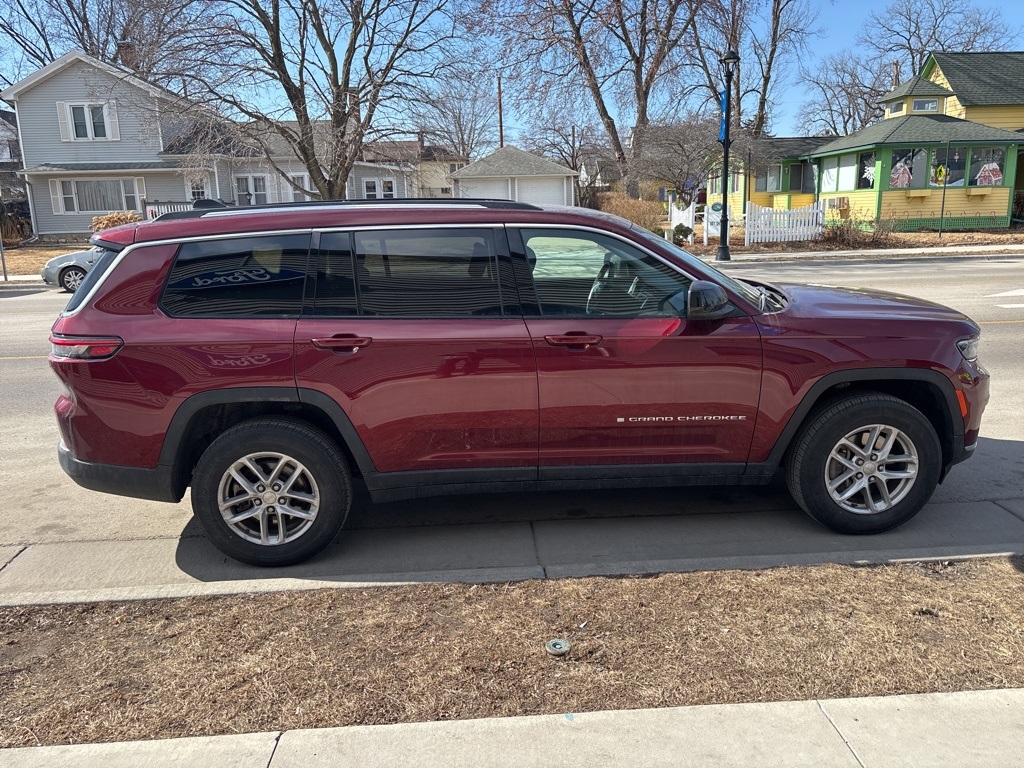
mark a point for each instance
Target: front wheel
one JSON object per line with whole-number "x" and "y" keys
{"x": 271, "y": 492}
{"x": 864, "y": 464}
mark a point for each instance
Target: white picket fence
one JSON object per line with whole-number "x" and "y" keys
{"x": 767, "y": 225}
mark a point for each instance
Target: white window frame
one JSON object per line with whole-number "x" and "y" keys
{"x": 778, "y": 178}
{"x": 250, "y": 187}
{"x": 897, "y": 108}
{"x": 60, "y": 199}
{"x": 379, "y": 193}
{"x": 914, "y": 105}
{"x": 89, "y": 125}
{"x": 302, "y": 179}
{"x": 189, "y": 192}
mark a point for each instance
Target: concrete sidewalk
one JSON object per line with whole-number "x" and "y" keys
{"x": 973, "y": 728}
{"x": 772, "y": 535}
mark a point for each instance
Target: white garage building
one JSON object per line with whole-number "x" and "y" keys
{"x": 512, "y": 174}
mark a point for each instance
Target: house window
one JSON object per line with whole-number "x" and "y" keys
{"x": 302, "y": 180}
{"x": 14, "y": 149}
{"x": 376, "y": 189}
{"x": 775, "y": 177}
{"x": 453, "y": 167}
{"x": 99, "y": 195}
{"x": 251, "y": 190}
{"x": 197, "y": 190}
{"x": 801, "y": 178}
{"x": 829, "y": 174}
{"x": 926, "y": 105}
{"x": 949, "y": 167}
{"x": 847, "y": 173}
{"x": 909, "y": 169}
{"x": 987, "y": 166}
{"x": 896, "y": 108}
{"x": 88, "y": 122}
{"x": 866, "y": 170}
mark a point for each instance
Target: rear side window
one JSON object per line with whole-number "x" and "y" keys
{"x": 92, "y": 277}
{"x": 409, "y": 273}
{"x": 248, "y": 276}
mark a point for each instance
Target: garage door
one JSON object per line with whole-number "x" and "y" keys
{"x": 489, "y": 188}
{"x": 542, "y": 191}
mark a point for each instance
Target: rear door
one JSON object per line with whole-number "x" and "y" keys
{"x": 417, "y": 333}
{"x": 624, "y": 377}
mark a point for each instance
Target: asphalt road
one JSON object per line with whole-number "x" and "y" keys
{"x": 50, "y": 523}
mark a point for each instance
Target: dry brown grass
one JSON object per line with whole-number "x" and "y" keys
{"x": 28, "y": 261}
{"x": 155, "y": 669}
{"x": 644, "y": 213}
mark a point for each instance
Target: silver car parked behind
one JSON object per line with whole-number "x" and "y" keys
{"x": 69, "y": 270}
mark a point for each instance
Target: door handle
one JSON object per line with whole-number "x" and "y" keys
{"x": 574, "y": 340}
{"x": 342, "y": 342}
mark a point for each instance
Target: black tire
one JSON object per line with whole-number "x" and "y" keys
{"x": 808, "y": 461}
{"x": 324, "y": 466}
{"x": 70, "y": 278}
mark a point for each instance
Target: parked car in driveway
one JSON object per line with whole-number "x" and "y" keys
{"x": 69, "y": 270}
{"x": 271, "y": 357}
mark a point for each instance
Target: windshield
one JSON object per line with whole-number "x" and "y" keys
{"x": 745, "y": 290}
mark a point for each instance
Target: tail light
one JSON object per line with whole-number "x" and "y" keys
{"x": 84, "y": 347}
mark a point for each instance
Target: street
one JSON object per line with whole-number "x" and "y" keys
{"x": 61, "y": 542}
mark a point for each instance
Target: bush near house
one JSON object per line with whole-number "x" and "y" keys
{"x": 858, "y": 233}
{"x": 643, "y": 213}
{"x": 114, "y": 219}
{"x": 681, "y": 234}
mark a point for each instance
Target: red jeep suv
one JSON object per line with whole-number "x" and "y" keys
{"x": 268, "y": 357}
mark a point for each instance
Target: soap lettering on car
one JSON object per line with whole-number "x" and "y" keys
{"x": 274, "y": 358}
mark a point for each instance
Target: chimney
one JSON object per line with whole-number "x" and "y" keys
{"x": 895, "y": 73}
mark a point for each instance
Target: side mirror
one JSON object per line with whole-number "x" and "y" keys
{"x": 708, "y": 301}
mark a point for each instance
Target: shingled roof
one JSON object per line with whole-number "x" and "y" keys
{"x": 916, "y": 86}
{"x": 977, "y": 79}
{"x": 780, "y": 147}
{"x": 512, "y": 161}
{"x": 917, "y": 130}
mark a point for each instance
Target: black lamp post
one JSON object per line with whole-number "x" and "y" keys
{"x": 729, "y": 62}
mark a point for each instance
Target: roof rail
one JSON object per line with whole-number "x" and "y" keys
{"x": 414, "y": 202}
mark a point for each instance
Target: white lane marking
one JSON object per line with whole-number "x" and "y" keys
{"x": 1010, "y": 306}
{"x": 1018, "y": 292}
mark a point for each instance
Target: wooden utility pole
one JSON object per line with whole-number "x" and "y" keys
{"x": 501, "y": 124}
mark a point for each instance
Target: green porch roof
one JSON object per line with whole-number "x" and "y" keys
{"x": 919, "y": 129}
{"x": 983, "y": 78}
{"x": 915, "y": 86}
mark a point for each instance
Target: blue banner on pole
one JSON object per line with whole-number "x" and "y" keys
{"x": 721, "y": 130}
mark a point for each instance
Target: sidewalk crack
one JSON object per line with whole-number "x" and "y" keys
{"x": 998, "y": 503}
{"x": 277, "y": 740}
{"x": 849, "y": 746}
{"x": 13, "y": 558}
{"x": 536, "y": 551}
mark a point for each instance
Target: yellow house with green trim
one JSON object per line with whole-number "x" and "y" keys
{"x": 945, "y": 149}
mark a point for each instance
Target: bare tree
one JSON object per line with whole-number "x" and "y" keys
{"x": 622, "y": 53}
{"x": 908, "y": 30}
{"x": 770, "y": 36}
{"x": 142, "y": 35}
{"x": 459, "y": 111}
{"x": 305, "y": 80}
{"x": 843, "y": 93}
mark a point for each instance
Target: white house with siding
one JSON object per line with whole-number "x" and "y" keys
{"x": 94, "y": 138}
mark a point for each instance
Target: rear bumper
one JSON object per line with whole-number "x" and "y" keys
{"x": 137, "y": 482}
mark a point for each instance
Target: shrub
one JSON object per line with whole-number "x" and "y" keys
{"x": 114, "y": 219}
{"x": 681, "y": 234}
{"x": 858, "y": 233}
{"x": 644, "y": 213}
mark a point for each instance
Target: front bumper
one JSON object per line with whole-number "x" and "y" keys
{"x": 157, "y": 484}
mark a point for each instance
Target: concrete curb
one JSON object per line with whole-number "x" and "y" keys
{"x": 960, "y": 728}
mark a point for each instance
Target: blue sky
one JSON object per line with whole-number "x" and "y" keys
{"x": 841, "y": 23}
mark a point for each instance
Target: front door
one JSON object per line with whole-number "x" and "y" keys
{"x": 416, "y": 332}
{"x": 624, "y": 376}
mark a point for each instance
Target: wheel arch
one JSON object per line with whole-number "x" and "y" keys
{"x": 931, "y": 392}
{"x": 203, "y": 416}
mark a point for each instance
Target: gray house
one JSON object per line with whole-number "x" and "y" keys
{"x": 514, "y": 174}
{"x": 94, "y": 138}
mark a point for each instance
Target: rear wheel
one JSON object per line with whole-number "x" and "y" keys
{"x": 71, "y": 278}
{"x": 864, "y": 464}
{"x": 271, "y": 492}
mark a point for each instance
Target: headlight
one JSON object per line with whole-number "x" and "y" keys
{"x": 969, "y": 348}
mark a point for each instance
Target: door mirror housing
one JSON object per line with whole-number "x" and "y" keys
{"x": 708, "y": 301}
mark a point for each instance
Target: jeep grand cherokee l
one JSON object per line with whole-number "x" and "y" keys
{"x": 271, "y": 357}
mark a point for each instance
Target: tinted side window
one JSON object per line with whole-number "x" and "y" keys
{"x": 581, "y": 273}
{"x": 335, "y": 281}
{"x": 238, "y": 277}
{"x": 427, "y": 273}
{"x": 104, "y": 259}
